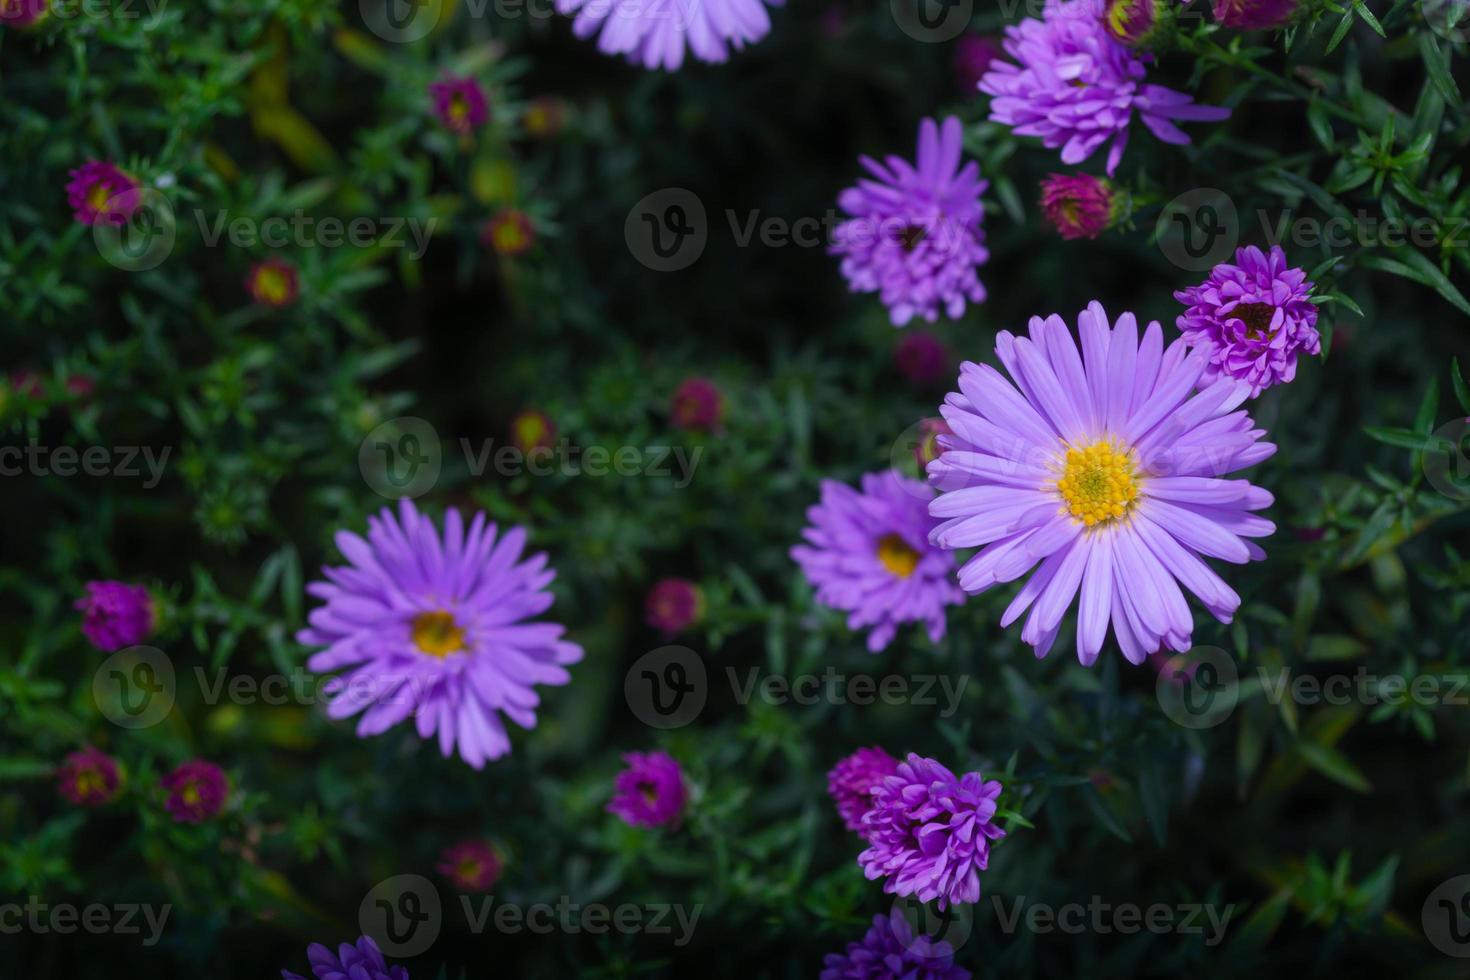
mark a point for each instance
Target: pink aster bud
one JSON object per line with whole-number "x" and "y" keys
{"x": 1137, "y": 23}
{"x": 471, "y": 865}
{"x": 1081, "y": 205}
{"x": 698, "y": 405}
{"x": 100, "y": 192}
{"x": 927, "y": 449}
{"x": 460, "y": 104}
{"x": 509, "y": 233}
{"x": 921, "y": 358}
{"x": 89, "y": 778}
{"x": 197, "y": 790}
{"x": 673, "y": 605}
{"x": 274, "y": 283}
{"x": 650, "y": 792}
{"x": 116, "y": 615}
{"x": 1254, "y": 15}
{"x": 973, "y": 54}
{"x": 532, "y": 429}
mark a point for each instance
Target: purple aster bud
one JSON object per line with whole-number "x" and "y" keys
{"x": 363, "y": 961}
{"x": 471, "y": 865}
{"x": 509, "y": 233}
{"x": 88, "y": 778}
{"x": 1080, "y": 205}
{"x": 650, "y": 792}
{"x": 1137, "y": 23}
{"x": 1254, "y": 15}
{"x": 22, "y": 13}
{"x": 274, "y": 283}
{"x": 197, "y": 790}
{"x": 116, "y": 615}
{"x": 673, "y": 605}
{"x": 890, "y": 950}
{"x": 698, "y": 405}
{"x": 460, "y": 104}
{"x": 973, "y": 54}
{"x": 99, "y": 191}
{"x": 532, "y": 429}
{"x": 852, "y": 781}
{"x": 927, "y": 449}
{"x": 544, "y": 117}
{"x": 922, "y": 358}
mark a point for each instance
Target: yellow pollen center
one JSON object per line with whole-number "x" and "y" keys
{"x": 98, "y": 197}
{"x": 272, "y": 286}
{"x": 89, "y": 781}
{"x": 191, "y": 794}
{"x": 896, "y": 556}
{"x": 1098, "y": 483}
{"x": 437, "y": 634}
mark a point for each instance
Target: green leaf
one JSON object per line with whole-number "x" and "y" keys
{"x": 1403, "y": 438}
{"x": 1334, "y": 765}
{"x": 1462, "y": 390}
{"x": 1437, "y": 63}
{"x": 1417, "y": 267}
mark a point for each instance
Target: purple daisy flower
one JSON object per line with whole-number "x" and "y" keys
{"x": 654, "y": 33}
{"x": 99, "y": 191}
{"x": 852, "y": 781}
{"x": 197, "y": 790}
{"x": 650, "y": 792}
{"x": 88, "y": 777}
{"x": 891, "y": 951}
{"x": 1106, "y": 468}
{"x": 460, "y": 104}
{"x": 115, "y": 615}
{"x": 1253, "y": 318}
{"x": 1077, "y": 87}
{"x": 868, "y": 554}
{"x": 361, "y": 962}
{"x": 929, "y": 832}
{"x": 914, "y": 236}
{"x": 432, "y": 625}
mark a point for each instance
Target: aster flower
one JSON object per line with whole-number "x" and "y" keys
{"x": 1253, "y": 318}
{"x": 509, "y": 233}
{"x": 472, "y": 865}
{"x": 435, "y": 626}
{"x": 22, "y": 13}
{"x": 1080, "y": 205}
{"x": 891, "y": 951}
{"x": 115, "y": 615}
{"x": 88, "y": 777}
{"x": 973, "y": 54}
{"x": 1137, "y": 23}
{"x": 460, "y": 104}
{"x": 698, "y": 404}
{"x": 650, "y": 792}
{"x": 363, "y": 961}
{"x": 532, "y": 429}
{"x": 914, "y": 236}
{"x": 654, "y": 33}
{"x": 929, "y": 832}
{"x": 673, "y": 605}
{"x": 197, "y": 790}
{"x": 1254, "y": 15}
{"x": 1076, "y": 87}
{"x": 1106, "y": 468}
{"x": 868, "y": 554}
{"x": 852, "y": 781}
{"x": 99, "y": 191}
{"x": 273, "y": 282}
{"x": 921, "y": 357}
{"x": 927, "y": 449}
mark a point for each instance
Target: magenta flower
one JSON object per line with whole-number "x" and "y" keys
{"x": 1135, "y": 22}
{"x": 973, "y": 54}
{"x": 1252, "y": 318}
{"x": 1079, "y": 205}
{"x": 197, "y": 790}
{"x": 436, "y": 626}
{"x": 655, "y": 33}
{"x": 929, "y": 832}
{"x": 868, "y": 554}
{"x": 891, "y": 951}
{"x": 914, "y": 236}
{"x": 673, "y": 605}
{"x": 460, "y": 104}
{"x": 509, "y": 232}
{"x": 115, "y": 615}
{"x": 852, "y": 781}
{"x": 1077, "y": 88}
{"x": 921, "y": 357}
{"x": 532, "y": 429}
{"x": 1254, "y": 15}
{"x": 22, "y": 13}
{"x": 698, "y": 405}
{"x": 363, "y": 961}
{"x": 88, "y": 777}
{"x": 650, "y": 792}
{"x": 471, "y": 865}
{"x": 1106, "y": 468}
{"x": 99, "y": 191}
{"x": 273, "y": 282}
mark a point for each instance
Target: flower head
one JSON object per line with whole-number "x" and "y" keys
{"x": 852, "y": 781}
{"x": 509, "y": 233}
{"x": 363, "y": 961}
{"x": 973, "y": 54}
{"x": 1255, "y": 15}
{"x": 273, "y": 282}
{"x": 472, "y": 865}
{"x": 868, "y": 553}
{"x": 99, "y": 191}
{"x": 197, "y": 790}
{"x": 1076, "y": 87}
{"x": 1136, "y": 22}
{"x": 650, "y": 792}
{"x": 699, "y": 405}
{"x": 88, "y": 777}
{"x": 532, "y": 429}
{"x": 921, "y": 357}
{"x": 929, "y": 832}
{"x": 115, "y": 615}
{"x": 544, "y": 117}
{"x": 673, "y": 605}
{"x": 927, "y": 449}
{"x": 1253, "y": 318}
{"x": 437, "y": 626}
{"x": 22, "y": 13}
{"x": 891, "y": 951}
{"x": 914, "y": 234}
{"x": 460, "y": 104}
{"x": 654, "y": 33}
{"x": 1106, "y": 468}
{"x": 1079, "y": 205}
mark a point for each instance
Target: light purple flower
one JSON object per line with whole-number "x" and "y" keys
{"x": 650, "y": 792}
{"x": 115, "y": 615}
{"x": 891, "y": 951}
{"x": 929, "y": 832}
{"x": 1253, "y": 318}
{"x": 363, "y": 961}
{"x": 1076, "y": 87}
{"x": 915, "y": 234}
{"x": 852, "y": 781}
{"x": 868, "y": 554}
{"x": 434, "y": 625}
{"x": 655, "y": 33}
{"x": 1106, "y": 468}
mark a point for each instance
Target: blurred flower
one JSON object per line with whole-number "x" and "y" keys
{"x": 1106, "y": 474}
{"x": 1076, "y": 87}
{"x": 914, "y": 235}
{"x": 929, "y": 832}
{"x": 927, "y": 449}
{"x": 1136, "y": 22}
{"x": 1079, "y": 205}
{"x": 532, "y": 429}
{"x": 852, "y": 781}
{"x": 868, "y": 554}
{"x": 891, "y": 951}
{"x": 673, "y": 605}
{"x": 509, "y": 233}
{"x": 1252, "y": 318}
{"x": 1254, "y": 15}
{"x": 472, "y": 865}
{"x": 361, "y": 962}
{"x": 99, "y": 191}
{"x": 460, "y": 104}
{"x": 197, "y": 790}
{"x": 698, "y": 404}
{"x": 432, "y": 626}
{"x": 88, "y": 777}
{"x": 274, "y": 283}
{"x": 22, "y": 13}
{"x": 921, "y": 357}
{"x": 116, "y": 615}
{"x": 653, "y": 33}
{"x": 650, "y": 792}
{"x": 973, "y": 54}
{"x": 545, "y": 117}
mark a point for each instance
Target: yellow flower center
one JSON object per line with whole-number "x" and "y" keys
{"x": 191, "y": 794}
{"x": 437, "y": 634}
{"x": 271, "y": 286}
{"x": 459, "y": 108}
{"x": 89, "y": 781}
{"x": 1099, "y": 483}
{"x": 98, "y": 197}
{"x": 509, "y": 235}
{"x": 896, "y": 556}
